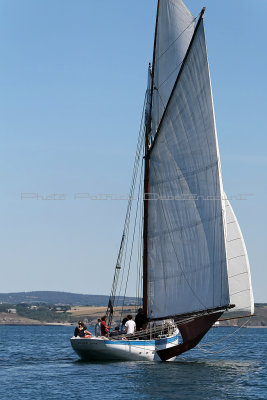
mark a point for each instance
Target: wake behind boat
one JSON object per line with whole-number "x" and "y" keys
{"x": 193, "y": 267}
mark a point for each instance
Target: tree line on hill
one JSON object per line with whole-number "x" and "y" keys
{"x": 39, "y": 312}
{"x": 52, "y": 297}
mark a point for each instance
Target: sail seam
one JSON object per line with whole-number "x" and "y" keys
{"x": 240, "y": 255}
{"x": 241, "y": 291}
{"x": 186, "y": 174}
{"x": 240, "y": 273}
{"x": 183, "y": 228}
{"x": 178, "y": 275}
{"x": 233, "y": 240}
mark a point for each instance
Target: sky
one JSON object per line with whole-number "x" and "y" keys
{"x": 72, "y": 82}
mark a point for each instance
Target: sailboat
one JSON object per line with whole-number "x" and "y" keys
{"x": 195, "y": 266}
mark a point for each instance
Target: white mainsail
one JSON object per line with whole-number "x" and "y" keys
{"x": 187, "y": 268}
{"x": 239, "y": 278}
{"x": 175, "y": 29}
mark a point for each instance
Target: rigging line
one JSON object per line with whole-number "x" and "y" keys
{"x": 226, "y": 337}
{"x": 170, "y": 74}
{"x": 160, "y": 97}
{"x": 162, "y": 102}
{"x": 128, "y": 226}
{"x": 124, "y": 263}
{"x": 175, "y": 40}
{"x": 228, "y": 347}
{"x": 116, "y": 276}
{"x": 134, "y": 230}
{"x": 172, "y": 242}
{"x": 136, "y": 167}
{"x": 126, "y": 223}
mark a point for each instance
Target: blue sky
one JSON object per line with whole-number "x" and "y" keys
{"x": 72, "y": 82}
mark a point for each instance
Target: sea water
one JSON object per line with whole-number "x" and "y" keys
{"x": 37, "y": 362}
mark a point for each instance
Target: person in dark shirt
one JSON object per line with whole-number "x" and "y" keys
{"x": 116, "y": 331}
{"x": 123, "y": 324}
{"x": 104, "y": 327}
{"x": 140, "y": 320}
{"x": 77, "y": 330}
{"x": 83, "y": 332}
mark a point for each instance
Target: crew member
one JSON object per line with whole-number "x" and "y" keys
{"x": 130, "y": 325}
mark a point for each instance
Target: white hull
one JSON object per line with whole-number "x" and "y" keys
{"x": 102, "y": 349}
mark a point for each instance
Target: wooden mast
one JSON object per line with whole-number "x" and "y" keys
{"x": 146, "y": 179}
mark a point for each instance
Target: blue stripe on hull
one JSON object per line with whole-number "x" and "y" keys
{"x": 158, "y": 342}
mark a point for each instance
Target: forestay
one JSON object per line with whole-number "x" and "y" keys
{"x": 239, "y": 278}
{"x": 187, "y": 268}
{"x": 175, "y": 28}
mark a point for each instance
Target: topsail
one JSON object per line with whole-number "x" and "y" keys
{"x": 174, "y": 32}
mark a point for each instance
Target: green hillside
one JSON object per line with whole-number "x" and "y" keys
{"x": 50, "y": 297}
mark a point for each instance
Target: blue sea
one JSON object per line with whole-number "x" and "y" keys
{"x": 37, "y": 362}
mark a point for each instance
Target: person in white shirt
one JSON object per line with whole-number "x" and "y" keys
{"x": 130, "y": 325}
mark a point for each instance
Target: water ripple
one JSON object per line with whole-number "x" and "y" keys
{"x": 39, "y": 363}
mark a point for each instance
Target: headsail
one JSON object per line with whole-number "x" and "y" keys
{"x": 187, "y": 268}
{"x": 175, "y": 28}
{"x": 239, "y": 278}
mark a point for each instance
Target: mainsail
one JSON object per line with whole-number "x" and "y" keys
{"x": 187, "y": 266}
{"x": 239, "y": 278}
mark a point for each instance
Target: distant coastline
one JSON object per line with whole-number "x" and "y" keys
{"x": 65, "y": 309}
{"x": 60, "y": 298}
